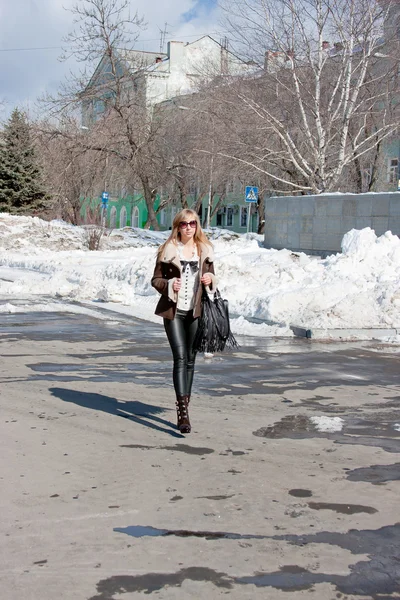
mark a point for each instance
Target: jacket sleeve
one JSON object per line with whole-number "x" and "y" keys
{"x": 162, "y": 284}
{"x": 213, "y": 285}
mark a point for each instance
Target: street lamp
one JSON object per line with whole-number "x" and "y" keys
{"x": 208, "y": 220}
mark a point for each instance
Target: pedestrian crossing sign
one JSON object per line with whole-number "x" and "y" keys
{"x": 251, "y": 194}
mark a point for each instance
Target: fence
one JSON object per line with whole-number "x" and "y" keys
{"x": 316, "y": 224}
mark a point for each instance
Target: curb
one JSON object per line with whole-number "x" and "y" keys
{"x": 345, "y": 333}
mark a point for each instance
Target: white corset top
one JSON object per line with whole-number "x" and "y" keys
{"x": 189, "y": 279}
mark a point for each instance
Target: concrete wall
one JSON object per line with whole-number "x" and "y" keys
{"x": 316, "y": 224}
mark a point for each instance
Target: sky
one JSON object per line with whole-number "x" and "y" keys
{"x": 46, "y": 266}
{"x": 31, "y": 34}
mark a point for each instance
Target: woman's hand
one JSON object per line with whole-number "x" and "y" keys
{"x": 206, "y": 279}
{"x": 176, "y": 286}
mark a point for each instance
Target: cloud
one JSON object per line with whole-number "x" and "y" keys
{"x": 26, "y": 73}
{"x": 201, "y": 7}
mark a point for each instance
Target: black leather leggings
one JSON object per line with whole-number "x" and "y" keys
{"x": 180, "y": 332}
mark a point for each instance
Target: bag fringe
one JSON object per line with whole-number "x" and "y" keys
{"x": 208, "y": 336}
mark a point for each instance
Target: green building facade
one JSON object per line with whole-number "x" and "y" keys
{"x": 132, "y": 212}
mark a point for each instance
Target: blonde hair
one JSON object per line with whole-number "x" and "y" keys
{"x": 187, "y": 214}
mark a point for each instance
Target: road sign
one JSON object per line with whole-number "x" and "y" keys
{"x": 251, "y": 194}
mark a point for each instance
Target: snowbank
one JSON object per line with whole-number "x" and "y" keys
{"x": 359, "y": 288}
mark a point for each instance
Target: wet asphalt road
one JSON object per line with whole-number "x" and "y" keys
{"x": 299, "y": 511}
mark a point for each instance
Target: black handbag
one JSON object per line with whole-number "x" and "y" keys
{"x": 214, "y": 332}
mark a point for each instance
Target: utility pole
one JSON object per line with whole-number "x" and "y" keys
{"x": 163, "y": 35}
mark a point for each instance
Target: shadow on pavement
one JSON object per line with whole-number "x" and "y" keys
{"x": 139, "y": 412}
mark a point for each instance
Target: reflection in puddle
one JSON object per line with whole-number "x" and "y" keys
{"x": 139, "y": 531}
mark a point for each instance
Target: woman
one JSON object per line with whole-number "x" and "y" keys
{"x": 185, "y": 263}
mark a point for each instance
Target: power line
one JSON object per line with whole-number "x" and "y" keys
{"x": 199, "y": 35}
{"x": 36, "y": 48}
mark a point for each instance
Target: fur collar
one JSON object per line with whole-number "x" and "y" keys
{"x": 170, "y": 253}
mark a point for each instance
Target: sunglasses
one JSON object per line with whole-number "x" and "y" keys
{"x": 184, "y": 224}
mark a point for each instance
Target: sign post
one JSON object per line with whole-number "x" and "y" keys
{"x": 251, "y": 196}
{"x": 104, "y": 204}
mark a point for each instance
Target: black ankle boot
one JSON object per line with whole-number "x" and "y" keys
{"x": 183, "y": 415}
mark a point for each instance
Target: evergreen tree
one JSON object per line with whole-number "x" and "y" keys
{"x": 21, "y": 188}
{"x": 4, "y": 177}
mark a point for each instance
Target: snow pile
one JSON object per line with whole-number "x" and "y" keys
{"x": 327, "y": 424}
{"x": 359, "y": 288}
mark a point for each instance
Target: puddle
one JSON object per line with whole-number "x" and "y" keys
{"x": 153, "y": 582}
{"x": 139, "y": 531}
{"x": 345, "y": 509}
{"x": 300, "y": 426}
{"x": 380, "y": 424}
{"x": 139, "y": 446}
{"x": 375, "y": 474}
{"x": 187, "y": 449}
{"x": 197, "y": 450}
{"x": 378, "y": 577}
{"x": 386, "y": 444}
{"x": 295, "y": 426}
{"x": 299, "y": 493}
{"x": 375, "y": 576}
{"x": 377, "y": 431}
{"x": 216, "y": 497}
{"x": 291, "y": 578}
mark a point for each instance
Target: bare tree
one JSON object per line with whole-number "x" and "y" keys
{"x": 73, "y": 174}
{"x": 323, "y": 97}
{"x": 118, "y": 120}
{"x": 194, "y": 141}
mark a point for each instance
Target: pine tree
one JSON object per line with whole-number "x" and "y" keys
{"x": 4, "y": 177}
{"x": 21, "y": 188}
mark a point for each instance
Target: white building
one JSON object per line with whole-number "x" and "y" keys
{"x": 156, "y": 77}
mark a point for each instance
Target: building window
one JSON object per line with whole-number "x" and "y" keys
{"x": 135, "y": 217}
{"x": 229, "y": 216}
{"x": 99, "y": 107}
{"x": 162, "y": 216}
{"x": 393, "y": 170}
{"x": 243, "y": 216}
{"x": 219, "y": 218}
{"x": 122, "y": 217}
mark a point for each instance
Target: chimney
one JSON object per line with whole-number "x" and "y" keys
{"x": 176, "y": 55}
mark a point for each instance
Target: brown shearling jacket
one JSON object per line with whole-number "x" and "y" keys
{"x": 168, "y": 268}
